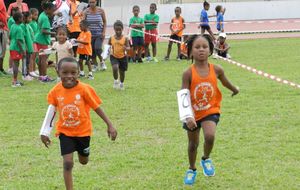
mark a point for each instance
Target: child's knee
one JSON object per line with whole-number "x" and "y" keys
{"x": 209, "y": 138}
{"x": 68, "y": 165}
{"x": 193, "y": 145}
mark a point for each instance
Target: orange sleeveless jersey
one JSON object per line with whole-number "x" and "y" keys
{"x": 118, "y": 47}
{"x": 177, "y": 24}
{"x": 205, "y": 96}
{"x": 73, "y": 107}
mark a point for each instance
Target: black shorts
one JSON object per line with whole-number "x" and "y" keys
{"x": 84, "y": 57}
{"x": 205, "y": 27}
{"x": 213, "y": 117}
{"x": 122, "y": 62}
{"x": 175, "y": 37}
{"x": 71, "y": 144}
{"x": 224, "y": 54}
{"x": 137, "y": 41}
{"x": 97, "y": 46}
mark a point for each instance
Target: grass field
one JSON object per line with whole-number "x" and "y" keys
{"x": 257, "y": 141}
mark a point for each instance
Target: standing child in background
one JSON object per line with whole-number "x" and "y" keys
{"x": 201, "y": 80}
{"x": 73, "y": 101}
{"x": 118, "y": 58}
{"x": 84, "y": 49}
{"x": 28, "y": 36}
{"x": 220, "y": 18}
{"x": 17, "y": 46}
{"x": 137, "y": 35}
{"x": 151, "y": 21}
{"x": 204, "y": 22}
{"x": 177, "y": 26}
{"x": 34, "y": 26}
{"x": 74, "y": 23}
{"x": 222, "y": 47}
{"x": 42, "y": 39}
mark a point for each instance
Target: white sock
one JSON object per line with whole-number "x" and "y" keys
{"x": 82, "y": 72}
{"x": 90, "y": 73}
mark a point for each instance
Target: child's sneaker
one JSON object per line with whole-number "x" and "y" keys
{"x": 103, "y": 66}
{"x": 95, "y": 68}
{"x": 33, "y": 74}
{"x": 16, "y": 84}
{"x": 167, "y": 58}
{"x": 90, "y": 77}
{"x": 178, "y": 59}
{"x": 27, "y": 78}
{"x": 208, "y": 167}
{"x": 140, "y": 60}
{"x": 81, "y": 75}
{"x": 190, "y": 177}
{"x": 45, "y": 79}
{"x": 155, "y": 60}
{"x": 116, "y": 84}
{"x": 122, "y": 86}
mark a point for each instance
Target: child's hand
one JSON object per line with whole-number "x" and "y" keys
{"x": 112, "y": 132}
{"x": 191, "y": 123}
{"x": 235, "y": 91}
{"x": 45, "y": 140}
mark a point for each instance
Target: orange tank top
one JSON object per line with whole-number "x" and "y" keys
{"x": 177, "y": 24}
{"x": 205, "y": 95}
{"x": 118, "y": 46}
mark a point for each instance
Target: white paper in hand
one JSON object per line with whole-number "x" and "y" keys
{"x": 106, "y": 51}
{"x": 47, "y": 51}
{"x": 184, "y": 105}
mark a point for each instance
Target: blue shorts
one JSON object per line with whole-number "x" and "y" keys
{"x": 213, "y": 117}
{"x": 137, "y": 41}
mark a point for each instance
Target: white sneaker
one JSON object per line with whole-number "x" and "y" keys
{"x": 33, "y": 74}
{"x": 37, "y": 72}
{"x": 103, "y": 66}
{"x": 122, "y": 86}
{"x": 27, "y": 78}
{"x": 228, "y": 56}
{"x": 116, "y": 84}
{"x": 95, "y": 68}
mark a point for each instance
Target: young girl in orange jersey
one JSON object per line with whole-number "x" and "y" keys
{"x": 201, "y": 80}
{"x": 177, "y": 26}
{"x": 72, "y": 100}
{"x": 118, "y": 58}
{"x": 84, "y": 49}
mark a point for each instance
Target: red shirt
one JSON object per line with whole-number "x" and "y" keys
{"x": 3, "y": 16}
{"x": 24, "y": 8}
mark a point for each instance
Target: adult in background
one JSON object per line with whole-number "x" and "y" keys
{"x": 95, "y": 16}
{"x": 3, "y": 35}
{"x": 74, "y": 22}
{"x": 62, "y": 14}
{"x": 23, "y": 7}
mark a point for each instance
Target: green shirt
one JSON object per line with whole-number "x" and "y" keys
{"x": 43, "y": 24}
{"x": 136, "y": 20}
{"x": 34, "y": 26}
{"x": 16, "y": 33}
{"x": 28, "y": 32}
{"x": 154, "y": 17}
{"x": 10, "y": 22}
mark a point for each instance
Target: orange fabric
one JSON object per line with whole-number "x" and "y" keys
{"x": 177, "y": 24}
{"x": 85, "y": 49}
{"x": 118, "y": 46}
{"x": 75, "y": 26}
{"x": 205, "y": 96}
{"x": 73, "y": 107}
{"x": 183, "y": 49}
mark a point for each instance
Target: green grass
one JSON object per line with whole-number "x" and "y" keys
{"x": 257, "y": 141}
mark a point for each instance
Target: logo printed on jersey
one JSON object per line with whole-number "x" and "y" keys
{"x": 70, "y": 114}
{"x": 203, "y": 94}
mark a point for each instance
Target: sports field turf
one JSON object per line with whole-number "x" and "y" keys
{"x": 257, "y": 140}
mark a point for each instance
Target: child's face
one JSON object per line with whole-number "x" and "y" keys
{"x": 50, "y": 12}
{"x": 200, "y": 49}
{"x": 177, "y": 12}
{"x": 136, "y": 11}
{"x": 61, "y": 36}
{"x": 68, "y": 73}
{"x": 152, "y": 9}
{"x": 207, "y": 7}
{"x": 222, "y": 40}
{"x": 118, "y": 30}
{"x": 35, "y": 16}
{"x": 28, "y": 19}
{"x": 20, "y": 20}
{"x": 83, "y": 27}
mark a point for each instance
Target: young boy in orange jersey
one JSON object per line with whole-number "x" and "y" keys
{"x": 177, "y": 26}
{"x": 118, "y": 58}
{"x": 72, "y": 100}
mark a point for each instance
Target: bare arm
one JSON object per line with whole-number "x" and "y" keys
{"x": 71, "y": 52}
{"x": 20, "y": 46}
{"x": 225, "y": 82}
{"x": 111, "y": 131}
{"x": 46, "y": 32}
{"x": 127, "y": 46}
{"x": 82, "y": 42}
{"x": 104, "y": 22}
{"x": 172, "y": 31}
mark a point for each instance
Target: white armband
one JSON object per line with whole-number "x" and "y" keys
{"x": 184, "y": 105}
{"x": 106, "y": 51}
{"x": 47, "y": 125}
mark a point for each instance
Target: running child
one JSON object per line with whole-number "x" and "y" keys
{"x": 34, "y": 26}
{"x": 72, "y": 100}
{"x": 42, "y": 39}
{"x": 177, "y": 26}
{"x": 151, "y": 21}
{"x": 222, "y": 47}
{"x": 204, "y": 22}
{"x": 17, "y": 46}
{"x": 118, "y": 58}
{"x": 84, "y": 49}
{"x": 137, "y": 34}
{"x": 201, "y": 80}
{"x": 220, "y": 18}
